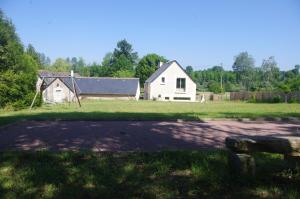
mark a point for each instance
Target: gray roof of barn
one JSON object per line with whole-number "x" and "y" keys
{"x": 103, "y": 85}
{"x": 53, "y": 74}
{"x": 161, "y": 69}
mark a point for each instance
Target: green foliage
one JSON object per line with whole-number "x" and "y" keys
{"x": 147, "y": 66}
{"x": 107, "y": 59}
{"x": 123, "y": 73}
{"x": 245, "y": 76}
{"x": 244, "y": 68}
{"x": 18, "y": 69}
{"x": 215, "y": 87}
{"x": 60, "y": 65}
{"x": 277, "y": 99}
{"x": 42, "y": 61}
{"x": 189, "y": 70}
{"x": 121, "y": 63}
{"x": 123, "y": 58}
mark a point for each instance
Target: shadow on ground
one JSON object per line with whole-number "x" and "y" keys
{"x": 133, "y": 135}
{"x": 180, "y": 174}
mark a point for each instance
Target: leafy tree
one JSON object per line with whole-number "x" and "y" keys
{"x": 294, "y": 84}
{"x": 189, "y": 70}
{"x": 124, "y": 57}
{"x": 218, "y": 69}
{"x": 35, "y": 55}
{"x": 296, "y": 69}
{"x": 60, "y": 65}
{"x": 286, "y": 89}
{"x": 147, "y": 65}
{"x": 123, "y": 73}
{"x": 74, "y": 64}
{"x": 270, "y": 71}
{"x": 107, "y": 59}
{"x": 244, "y": 68}
{"x": 40, "y": 58}
{"x": 44, "y": 60}
{"x": 214, "y": 87}
{"x": 18, "y": 70}
{"x": 85, "y": 71}
{"x": 124, "y": 48}
{"x": 94, "y": 70}
{"x": 121, "y": 63}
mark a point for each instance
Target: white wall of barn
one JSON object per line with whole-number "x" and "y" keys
{"x": 50, "y": 94}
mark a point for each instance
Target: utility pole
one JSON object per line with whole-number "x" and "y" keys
{"x": 221, "y": 76}
{"x": 74, "y": 89}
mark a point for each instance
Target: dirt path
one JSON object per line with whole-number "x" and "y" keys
{"x": 132, "y": 135}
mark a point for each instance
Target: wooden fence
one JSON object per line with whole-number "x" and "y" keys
{"x": 265, "y": 96}
{"x": 213, "y": 97}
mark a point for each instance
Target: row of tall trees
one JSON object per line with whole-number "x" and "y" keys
{"x": 245, "y": 76}
{"x": 122, "y": 62}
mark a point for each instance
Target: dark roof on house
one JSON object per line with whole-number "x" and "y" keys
{"x": 103, "y": 85}
{"x": 52, "y": 74}
{"x": 161, "y": 69}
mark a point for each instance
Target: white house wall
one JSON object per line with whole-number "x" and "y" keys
{"x": 168, "y": 89}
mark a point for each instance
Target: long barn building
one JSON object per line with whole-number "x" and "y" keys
{"x": 57, "y": 87}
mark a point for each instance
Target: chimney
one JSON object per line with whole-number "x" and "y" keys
{"x": 72, "y": 73}
{"x": 160, "y": 64}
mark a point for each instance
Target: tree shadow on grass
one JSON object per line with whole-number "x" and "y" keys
{"x": 180, "y": 174}
{"x": 98, "y": 115}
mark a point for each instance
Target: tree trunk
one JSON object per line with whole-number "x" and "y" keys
{"x": 285, "y": 98}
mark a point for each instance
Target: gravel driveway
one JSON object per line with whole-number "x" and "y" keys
{"x": 132, "y": 135}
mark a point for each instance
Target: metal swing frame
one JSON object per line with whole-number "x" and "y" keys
{"x": 73, "y": 86}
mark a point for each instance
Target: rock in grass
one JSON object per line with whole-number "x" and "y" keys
{"x": 242, "y": 164}
{"x": 278, "y": 144}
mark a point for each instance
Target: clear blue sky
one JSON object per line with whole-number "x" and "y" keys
{"x": 194, "y": 32}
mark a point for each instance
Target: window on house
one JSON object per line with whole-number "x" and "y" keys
{"x": 181, "y": 98}
{"x": 163, "y": 80}
{"x": 180, "y": 84}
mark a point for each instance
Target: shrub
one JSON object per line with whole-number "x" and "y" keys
{"x": 277, "y": 99}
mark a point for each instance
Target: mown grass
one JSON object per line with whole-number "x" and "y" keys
{"x": 150, "y": 110}
{"x": 162, "y": 175}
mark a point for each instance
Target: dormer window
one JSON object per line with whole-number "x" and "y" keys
{"x": 163, "y": 80}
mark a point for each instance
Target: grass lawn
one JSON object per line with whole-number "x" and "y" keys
{"x": 150, "y": 110}
{"x": 181, "y": 174}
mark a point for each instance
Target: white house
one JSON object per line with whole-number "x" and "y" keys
{"x": 170, "y": 82}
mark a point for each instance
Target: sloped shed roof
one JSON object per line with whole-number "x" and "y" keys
{"x": 103, "y": 85}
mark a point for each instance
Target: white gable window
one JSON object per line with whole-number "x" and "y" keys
{"x": 163, "y": 80}
{"x": 180, "y": 84}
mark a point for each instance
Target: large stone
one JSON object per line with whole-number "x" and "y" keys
{"x": 242, "y": 164}
{"x": 293, "y": 159}
{"x": 278, "y": 144}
